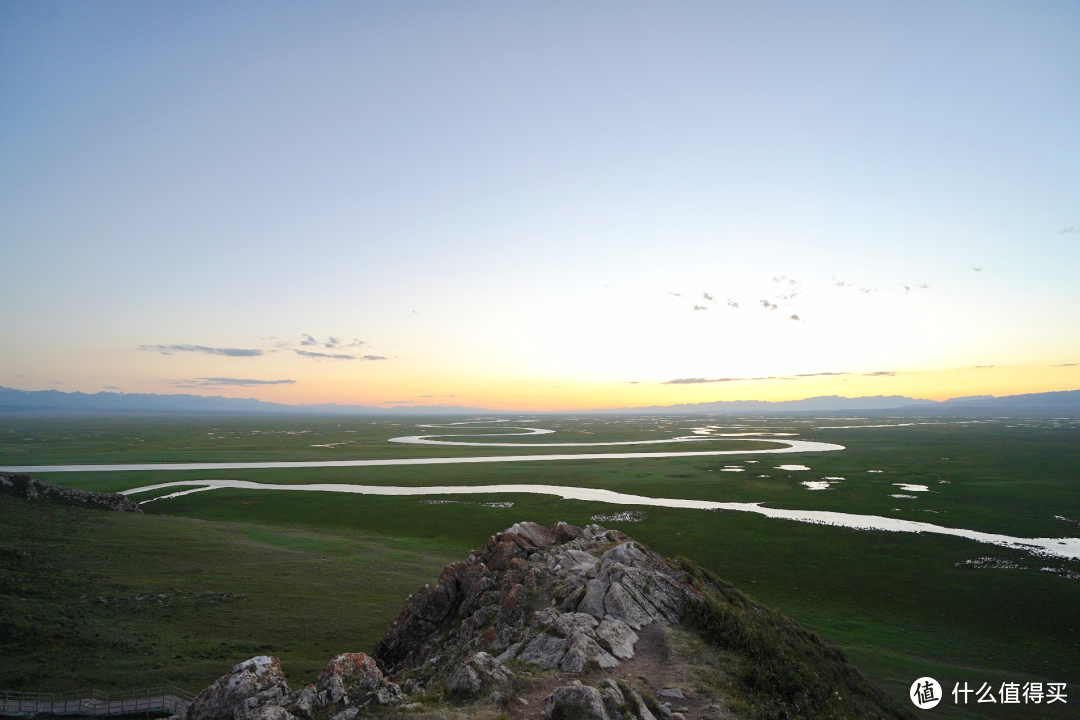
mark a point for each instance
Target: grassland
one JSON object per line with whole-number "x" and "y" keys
{"x": 899, "y": 604}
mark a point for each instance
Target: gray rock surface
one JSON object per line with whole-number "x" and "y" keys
{"x": 566, "y": 598}
{"x": 245, "y": 680}
{"x": 575, "y": 701}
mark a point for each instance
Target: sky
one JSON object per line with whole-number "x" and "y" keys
{"x": 544, "y": 206}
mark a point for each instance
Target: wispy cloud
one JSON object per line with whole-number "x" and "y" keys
{"x": 1070, "y": 229}
{"x": 880, "y": 373}
{"x": 334, "y": 343}
{"x": 767, "y": 305}
{"x": 977, "y": 269}
{"x": 435, "y": 396}
{"x": 732, "y": 304}
{"x": 708, "y": 297}
{"x": 1065, "y": 365}
{"x": 228, "y": 352}
{"x": 822, "y": 374}
{"x": 866, "y": 291}
{"x": 111, "y": 387}
{"x": 307, "y": 339}
{"x": 700, "y": 307}
{"x": 984, "y": 367}
{"x": 630, "y": 382}
{"x": 794, "y": 317}
{"x": 842, "y": 284}
{"x": 395, "y": 402}
{"x": 699, "y": 381}
{"x": 336, "y": 356}
{"x": 674, "y": 293}
{"x": 230, "y": 382}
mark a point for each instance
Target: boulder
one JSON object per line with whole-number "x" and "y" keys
{"x": 245, "y": 680}
{"x": 572, "y": 702}
{"x": 348, "y": 674}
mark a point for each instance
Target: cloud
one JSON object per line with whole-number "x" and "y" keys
{"x": 920, "y": 286}
{"x": 785, "y": 280}
{"x": 245, "y": 382}
{"x": 822, "y": 374}
{"x": 396, "y": 402}
{"x": 767, "y": 305}
{"x": 842, "y": 284}
{"x": 228, "y": 352}
{"x": 111, "y": 387}
{"x": 333, "y": 343}
{"x": 977, "y": 269}
{"x": 336, "y": 356}
{"x": 224, "y": 381}
{"x": 435, "y": 396}
{"x": 880, "y": 373}
{"x": 308, "y": 340}
{"x": 700, "y": 307}
{"x": 1065, "y": 365}
{"x": 708, "y": 297}
{"x": 732, "y": 304}
{"x": 984, "y": 367}
{"x": 866, "y": 291}
{"x": 630, "y": 382}
{"x": 794, "y": 317}
{"x": 699, "y": 381}
{"x": 674, "y": 293}
{"x": 1070, "y": 229}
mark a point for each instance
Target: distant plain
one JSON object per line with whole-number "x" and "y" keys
{"x": 901, "y": 605}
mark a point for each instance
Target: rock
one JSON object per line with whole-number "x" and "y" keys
{"x": 617, "y": 637}
{"x": 523, "y": 701}
{"x": 575, "y": 701}
{"x": 496, "y": 698}
{"x": 413, "y": 686}
{"x": 612, "y": 696}
{"x": 271, "y": 712}
{"x": 665, "y": 711}
{"x": 583, "y": 650}
{"x": 596, "y": 605}
{"x": 349, "y": 714}
{"x": 389, "y": 694}
{"x": 488, "y": 668}
{"x": 677, "y": 716}
{"x": 464, "y": 681}
{"x": 353, "y": 674}
{"x": 545, "y": 650}
{"x": 30, "y": 488}
{"x": 539, "y": 535}
{"x": 670, "y": 693}
{"x": 412, "y": 706}
{"x": 638, "y": 706}
{"x": 245, "y": 680}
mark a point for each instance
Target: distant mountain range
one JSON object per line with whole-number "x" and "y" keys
{"x": 55, "y": 401}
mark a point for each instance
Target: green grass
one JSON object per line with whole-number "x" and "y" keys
{"x": 123, "y": 600}
{"x": 896, "y": 603}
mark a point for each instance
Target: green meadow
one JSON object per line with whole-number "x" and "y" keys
{"x": 306, "y": 575}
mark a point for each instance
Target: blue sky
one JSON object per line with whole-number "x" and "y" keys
{"x": 523, "y": 204}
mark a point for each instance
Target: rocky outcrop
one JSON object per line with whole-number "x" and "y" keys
{"x": 256, "y": 690}
{"x": 567, "y": 598}
{"x": 259, "y": 676}
{"x": 30, "y": 488}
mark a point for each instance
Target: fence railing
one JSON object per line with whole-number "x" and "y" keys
{"x": 166, "y": 698}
